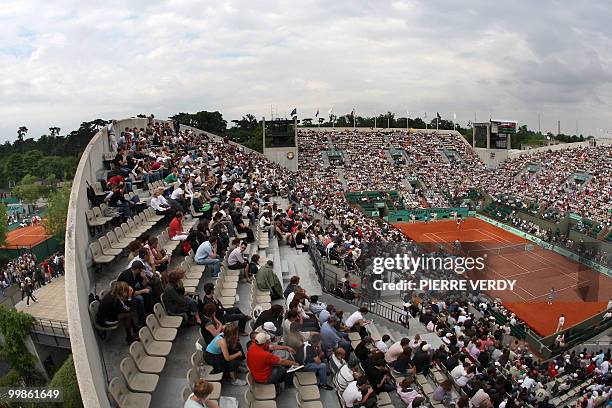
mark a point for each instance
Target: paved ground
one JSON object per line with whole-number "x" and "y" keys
{"x": 51, "y": 302}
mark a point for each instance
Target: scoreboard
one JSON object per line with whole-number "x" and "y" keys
{"x": 494, "y": 134}
{"x": 501, "y": 133}
{"x": 506, "y": 128}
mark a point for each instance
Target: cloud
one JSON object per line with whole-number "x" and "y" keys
{"x": 63, "y": 62}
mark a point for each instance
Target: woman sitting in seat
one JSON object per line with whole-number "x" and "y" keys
{"x": 225, "y": 354}
{"x": 176, "y": 301}
{"x": 199, "y": 397}
{"x": 115, "y": 308}
{"x": 211, "y": 326}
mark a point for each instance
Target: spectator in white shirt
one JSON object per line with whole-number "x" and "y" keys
{"x": 357, "y": 323}
{"x": 396, "y": 350}
{"x": 382, "y": 343}
{"x": 560, "y": 323}
{"x": 159, "y": 203}
{"x": 357, "y": 392}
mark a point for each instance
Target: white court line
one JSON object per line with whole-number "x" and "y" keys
{"x": 528, "y": 272}
{"x": 517, "y": 285}
{"x": 542, "y": 260}
{"x": 514, "y": 263}
{"x": 561, "y": 268}
{"x": 496, "y": 237}
{"x": 432, "y": 236}
{"x": 559, "y": 290}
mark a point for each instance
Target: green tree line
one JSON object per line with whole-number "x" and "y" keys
{"x": 50, "y": 155}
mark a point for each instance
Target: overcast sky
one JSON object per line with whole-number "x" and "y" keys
{"x": 66, "y": 61}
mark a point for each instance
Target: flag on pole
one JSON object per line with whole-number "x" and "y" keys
{"x": 454, "y": 116}
{"x": 294, "y": 112}
{"x": 317, "y": 114}
{"x": 353, "y": 112}
{"x": 438, "y": 115}
{"x": 331, "y": 110}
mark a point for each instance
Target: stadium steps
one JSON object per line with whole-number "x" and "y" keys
{"x": 389, "y": 157}
{"x": 299, "y": 264}
{"x": 341, "y": 177}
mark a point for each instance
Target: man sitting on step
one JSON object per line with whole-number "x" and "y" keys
{"x": 267, "y": 281}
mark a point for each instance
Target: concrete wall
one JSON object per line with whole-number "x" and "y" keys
{"x": 492, "y": 158}
{"x": 279, "y": 155}
{"x": 79, "y": 282}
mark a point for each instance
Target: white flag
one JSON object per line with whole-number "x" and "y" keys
{"x": 454, "y": 116}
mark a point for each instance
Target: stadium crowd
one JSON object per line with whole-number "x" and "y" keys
{"x": 483, "y": 365}
{"x": 29, "y": 275}
{"x": 571, "y": 180}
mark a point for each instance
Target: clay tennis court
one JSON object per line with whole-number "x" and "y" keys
{"x": 27, "y": 237}
{"x": 580, "y": 291}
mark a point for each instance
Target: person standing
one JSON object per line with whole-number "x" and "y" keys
{"x": 551, "y": 296}
{"x": 27, "y": 288}
{"x": 560, "y": 323}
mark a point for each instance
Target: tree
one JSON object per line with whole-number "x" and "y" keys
{"x": 3, "y": 224}
{"x": 57, "y": 212}
{"x": 21, "y": 132}
{"x": 65, "y": 379}
{"x": 29, "y": 189}
{"x": 208, "y": 121}
{"x": 51, "y": 179}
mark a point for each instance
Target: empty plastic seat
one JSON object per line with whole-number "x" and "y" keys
{"x": 137, "y": 381}
{"x": 128, "y": 232}
{"x": 107, "y": 249}
{"x": 152, "y": 346}
{"x": 115, "y": 243}
{"x": 160, "y": 333}
{"x": 306, "y": 404}
{"x": 306, "y": 378}
{"x": 164, "y": 319}
{"x": 261, "y": 391}
{"x": 307, "y": 392}
{"x": 125, "y": 398}
{"x": 253, "y": 403}
{"x": 99, "y": 216}
{"x": 92, "y": 221}
{"x": 144, "y": 362}
{"x": 97, "y": 254}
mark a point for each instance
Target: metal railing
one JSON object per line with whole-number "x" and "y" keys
{"x": 329, "y": 282}
{"x": 51, "y": 327}
{"x": 51, "y": 333}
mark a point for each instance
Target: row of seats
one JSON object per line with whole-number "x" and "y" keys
{"x": 96, "y": 220}
{"x": 147, "y": 358}
{"x": 108, "y": 247}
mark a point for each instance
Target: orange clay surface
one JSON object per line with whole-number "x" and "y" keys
{"x": 580, "y": 291}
